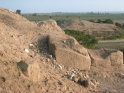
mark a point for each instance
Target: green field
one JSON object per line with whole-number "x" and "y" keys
{"x": 42, "y": 17}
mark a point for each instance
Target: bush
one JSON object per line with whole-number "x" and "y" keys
{"x": 84, "y": 39}
{"x": 119, "y": 36}
{"x": 18, "y": 11}
{"x": 118, "y": 24}
{"x": 34, "y": 14}
{"x": 99, "y": 21}
{"x": 92, "y": 21}
{"x": 109, "y": 21}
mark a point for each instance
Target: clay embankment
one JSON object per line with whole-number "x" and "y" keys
{"x": 37, "y": 58}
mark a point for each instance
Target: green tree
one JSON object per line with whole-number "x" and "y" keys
{"x": 109, "y": 21}
{"x": 34, "y": 14}
{"x": 84, "y": 39}
{"x": 118, "y": 24}
{"x": 18, "y": 11}
{"x": 99, "y": 21}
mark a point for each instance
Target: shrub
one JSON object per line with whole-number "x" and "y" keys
{"x": 84, "y": 39}
{"x": 92, "y": 21}
{"x": 118, "y": 24}
{"x": 109, "y": 21}
{"x": 18, "y": 11}
{"x": 34, "y": 14}
{"x": 118, "y": 36}
{"x": 99, "y": 21}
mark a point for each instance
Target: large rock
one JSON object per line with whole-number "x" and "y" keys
{"x": 31, "y": 71}
{"x": 116, "y": 58}
{"x": 50, "y": 25}
{"x": 68, "y": 52}
{"x": 106, "y": 57}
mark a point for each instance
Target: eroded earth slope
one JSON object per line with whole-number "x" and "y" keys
{"x": 40, "y": 58}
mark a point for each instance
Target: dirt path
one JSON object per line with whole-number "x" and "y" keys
{"x": 112, "y": 44}
{"x": 107, "y": 41}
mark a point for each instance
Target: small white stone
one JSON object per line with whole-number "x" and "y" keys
{"x": 31, "y": 45}
{"x": 26, "y": 50}
{"x": 64, "y": 41}
{"x": 48, "y": 60}
{"x": 60, "y": 66}
{"x": 49, "y": 56}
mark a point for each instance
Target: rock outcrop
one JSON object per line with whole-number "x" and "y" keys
{"x": 68, "y": 52}
{"x": 106, "y": 57}
{"x": 50, "y": 25}
{"x": 30, "y": 71}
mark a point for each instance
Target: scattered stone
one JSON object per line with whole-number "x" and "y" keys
{"x": 31, "y": 45}
{"x": 64, "y": 41}
{"x": 47, "y": 60}
{"x": 30, "y": 71}
{"x": 56, "y": 64}
{"x": 121, "y": 75}
{"x": 60, "y": 83}
{"x": 26, "y": 50}
{"x": 70, "y": 75}
{"x": 93, "y": 84}
{"x": 49, "y": 56}
{"x": 75, "y": 79}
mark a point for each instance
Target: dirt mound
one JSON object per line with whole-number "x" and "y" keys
{"x": 96, "y": 29}
{"x": 40, "y": 58}
{"x": 24, "y": 57}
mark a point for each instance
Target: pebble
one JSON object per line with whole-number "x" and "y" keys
{"x": 49, "y": 56}
{"x": 64, "y": 41}
{"x": 31, "y": 45}
{"x": 47, "y": 60}
{"x": 26, "y": 50}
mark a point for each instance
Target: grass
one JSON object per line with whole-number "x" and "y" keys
{"x": 114, "y": 37}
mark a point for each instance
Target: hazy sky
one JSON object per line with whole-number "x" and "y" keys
{"x": 39, "y": 6}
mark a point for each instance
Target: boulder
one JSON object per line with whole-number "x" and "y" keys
{"x": 106, "y": 57}
{"x": 31, "y": 71}
{"x": 116, "y": 58}
{"x": 50, "y": 25}
{"x": 68, "y": 52}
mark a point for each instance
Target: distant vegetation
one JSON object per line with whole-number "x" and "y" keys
{"x": 109, "y": 21}
{"x": 97, "y": 18}
{"x": 120, "y": 25}
{"x": 84, "y": 39}
{"x": 114, "y": 37}
{"x": 18, "y": 11}
{"x": 68, "y": 16}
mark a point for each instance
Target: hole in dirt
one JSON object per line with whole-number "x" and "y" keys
{"x": 83, "y": 83}
{"x": 29, "y": 86}
{"x": 3, "y": 79}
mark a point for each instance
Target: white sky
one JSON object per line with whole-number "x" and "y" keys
{"x": 40, "y": 6}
